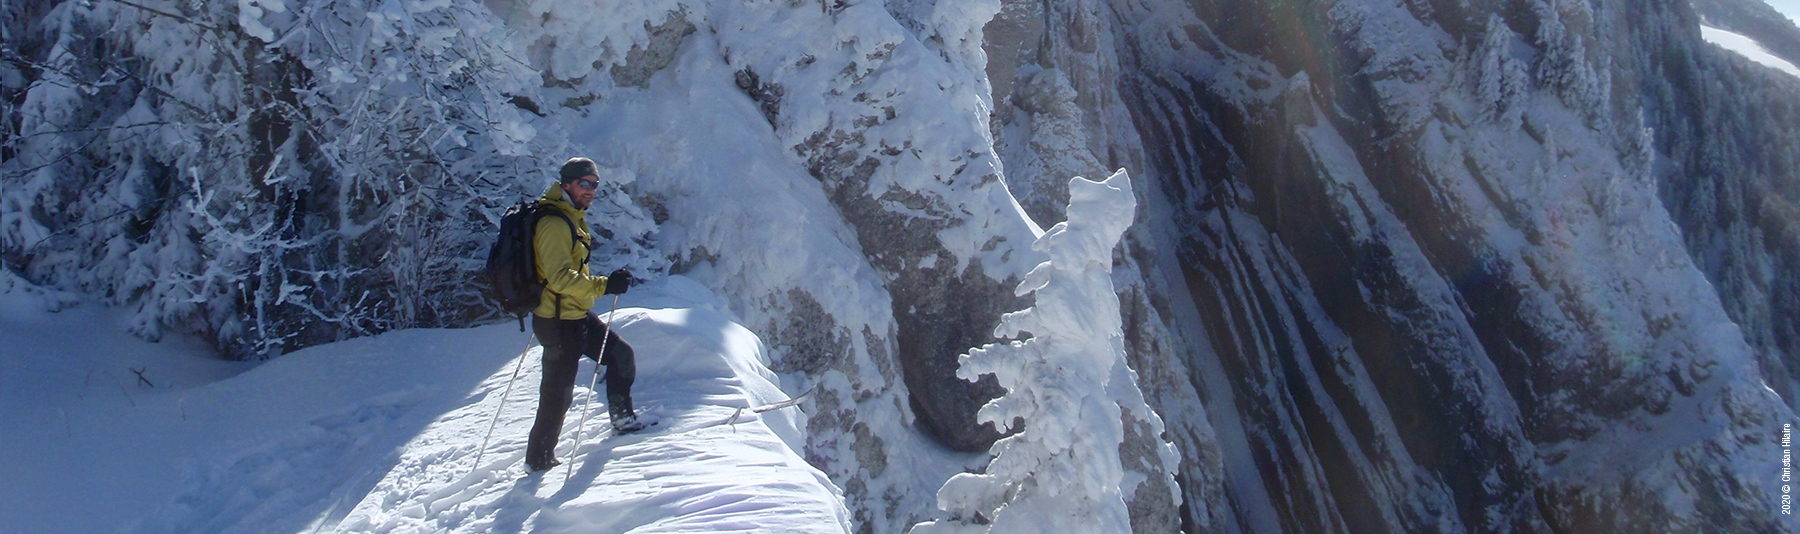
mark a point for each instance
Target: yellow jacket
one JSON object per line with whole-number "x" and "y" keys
{"x": 562, "y": 261}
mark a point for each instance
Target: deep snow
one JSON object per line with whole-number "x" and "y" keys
{"x": 1748, "y": 48}
{"x": 380, "y": 434}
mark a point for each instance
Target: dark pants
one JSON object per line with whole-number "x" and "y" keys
{"x": 565, "y": 342}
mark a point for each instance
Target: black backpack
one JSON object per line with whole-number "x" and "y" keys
{"x": 511, "y": 274}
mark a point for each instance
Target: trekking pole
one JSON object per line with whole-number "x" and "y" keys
{"x": 509, "y": 382}
{"x": 592, "y": 383}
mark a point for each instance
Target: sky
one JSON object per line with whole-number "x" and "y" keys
{"x": 1791, "y": 8}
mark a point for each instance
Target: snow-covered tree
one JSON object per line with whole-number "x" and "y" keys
{"x": 1568, "y": 62}
{"x": 1502, "y": 83}
{"x": 1067, "y": 383}
{"x": 271, "y": 176}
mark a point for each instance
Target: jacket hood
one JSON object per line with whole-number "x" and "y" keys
{"x": 555, "y": 197}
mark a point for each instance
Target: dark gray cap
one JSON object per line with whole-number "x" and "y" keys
{"x": 578, "y": 167}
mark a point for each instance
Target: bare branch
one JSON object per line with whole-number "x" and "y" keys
{"x": 61, "y": 159}
{"x": 99, "y": 129}
{"x": 140, "y": 375}
{"x": 170, "y": 15}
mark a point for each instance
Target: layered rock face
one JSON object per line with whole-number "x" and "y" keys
{"x": 1432, "y": 266}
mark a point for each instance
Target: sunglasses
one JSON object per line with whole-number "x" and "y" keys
{"x": 586, "y": 183}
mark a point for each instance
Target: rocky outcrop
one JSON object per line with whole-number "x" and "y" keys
{"x": 877, "y": 247}
{"x": 900, "y": 153}
{"x": 655, "y": 54}
{"x": 941, "y": 310}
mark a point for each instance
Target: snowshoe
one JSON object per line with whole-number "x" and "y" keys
{"x": 624, "y": 419}
{"x": 628, "y": 424}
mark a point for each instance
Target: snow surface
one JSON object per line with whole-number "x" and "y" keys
{"x": 1748, "y": 48}
{"x": 380, "y": 434}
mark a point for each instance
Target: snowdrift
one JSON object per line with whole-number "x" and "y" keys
{"x": 381, "y": 434}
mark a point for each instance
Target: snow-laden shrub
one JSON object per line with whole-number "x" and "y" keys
{"x": 1068, "y": 383}
{"x": 271, "y": 176}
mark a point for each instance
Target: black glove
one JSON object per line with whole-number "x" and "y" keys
{"x": 618, "y": 282}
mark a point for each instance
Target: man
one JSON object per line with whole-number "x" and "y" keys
{"x": 563, "y": 320}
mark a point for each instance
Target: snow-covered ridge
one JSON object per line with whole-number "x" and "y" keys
{"x": 1748, "y": 48}
{"x": 380, "y": 434}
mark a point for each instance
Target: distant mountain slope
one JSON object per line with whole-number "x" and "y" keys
{"x": 1756, "y": 20}
{"x": 1748, "y": 48}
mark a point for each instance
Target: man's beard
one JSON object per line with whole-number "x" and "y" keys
{"x": 575, "y": 200}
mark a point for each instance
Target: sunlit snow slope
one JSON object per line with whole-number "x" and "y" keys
{"x": 381, "y": 434}
{"x": 1747, "y": 47}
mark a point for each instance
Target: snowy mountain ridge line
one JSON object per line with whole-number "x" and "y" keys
{"x": 377, "y": 434}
